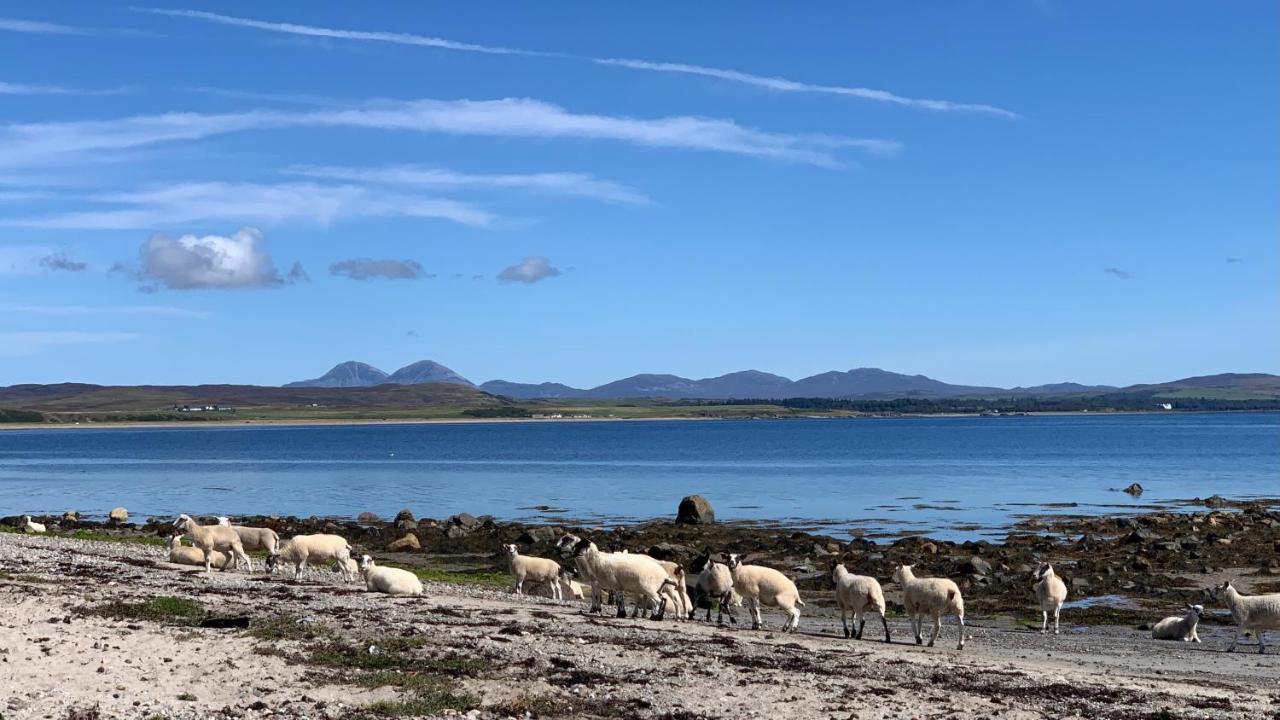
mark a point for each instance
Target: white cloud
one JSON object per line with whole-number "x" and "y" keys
{"x": 90, "y": 310}
{"x": 529, "y": 270}
{"x": 556, "y": 183}
{"x": 17, "y": 344}
{"x": 251, "y": 203}
{"x": 772, "y": 83}
{"x": 369, "y": 269}
{"x": 193, "y": 262}
{"x": 7, "y": 88}
{"x": 44, "y": 143}
{"x": 37, "y": 27}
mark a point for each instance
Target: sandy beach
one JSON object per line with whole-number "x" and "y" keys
{"x": 325, "y": 649}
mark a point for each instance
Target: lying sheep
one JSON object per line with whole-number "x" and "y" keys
{"x": 858, "y": 594}
{"x": 181, "y": 555}
{"x": 319, "y": 550}
{"x": 535, "y": 570}
{"x": 570, "y": 589}
{"x": 1251, "y": 613}
{"x": 934, "y": 597}
{"x": 638, "y": 575}
{"x": 1179, "y": 628}
{"x": 254, "y": 538}
{"x": 1051, "y": 592}
{"x": 759, "y": 585}
{"x": 30, "y": 526}
{"x": 715, "y": 583}
{"x": 214, "y": 537}
{"x": 389, "y": 580}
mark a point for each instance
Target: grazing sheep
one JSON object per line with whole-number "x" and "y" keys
{"x": 536, "y": 570}
{"x": 856, "y": 594}
{"x": 30, "y": 526}
{"x": 1251, "y": 613}
{"x": 254, "y": 538}
{"x": 934, "y": 597}
{"x": 214, "y": 537}
{"x": 714, "y": 582}
{"x": 319, "y": 550}
{"x": 759, "y": 585}
{"x": 1051, "y": 592}
{"x": 389, "y": 580}
{"x": 180, "y": 555}
{"x": 1179, "y": 628}
{"x": 639, "y": 575}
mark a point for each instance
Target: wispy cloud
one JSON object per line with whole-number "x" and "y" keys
{"x": 1122, "y": 274}
{"x": 22, "y": 259}
{"x": 37, "y": 27}
{"x": 18, "y": 344}
{"x": 60, "y": 261}
{"x": 555, "y": 183}
{"x": 369, "y": 269}
{"x": 91, "y": 310}
{"x": 7, "y": 88}
{"x": 769, "y": 82}
{"x": 528, "y": 271}
{"x": 251, "y": 203}
{"x": 1234, "y": 260}
{"x": 41, "y": 143}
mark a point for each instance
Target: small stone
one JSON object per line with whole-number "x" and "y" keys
{"x": 118, "y": 516}
{"x": 1134, "y": 489}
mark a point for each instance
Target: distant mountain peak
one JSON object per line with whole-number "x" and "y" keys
{"x": 346, "y": 374}
{"x": 426, "y": 371}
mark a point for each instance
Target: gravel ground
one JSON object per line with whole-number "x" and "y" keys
{"x": 538, "y": 657}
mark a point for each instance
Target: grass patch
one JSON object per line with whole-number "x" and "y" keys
{"x": 286, "y": 626}
{"x": 163, "y": 608}
{"x": 481, "y": 578}
{"x": 534, "y": 705}
{"x": 113, "y": 537}
{"x": 423, "y": 703}
{"x": 187, "y": 697}
{"x": 21, "y": 577}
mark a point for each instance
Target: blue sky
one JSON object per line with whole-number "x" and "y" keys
{"x": 1003, "y": 193}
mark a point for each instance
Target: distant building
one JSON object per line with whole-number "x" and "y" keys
{"x": 1166, "y": 406}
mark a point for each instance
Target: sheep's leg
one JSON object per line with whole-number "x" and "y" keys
{"x": 885, "y": 621}
{"x": 844, "y": 621}
{"x": 1234, "y": 639}
{"x": 960, "y": 619}
{"x": 756, "y": 621}
{"x": 726, "y": 605}
{"x": 1058, "y": 611}
{"x": 661, "y": 603}
{"x": 917, "y": 626}
{"x": 1262, "y": 648}
{"x": 862, "y": 624}
{"x": 208, "y": 560}
{"x": 794, "y": 622}
{"x": 622, "y": 605}
{"x": 937, "y": 629}
{"x": 555, "y": 590}
{"x": 1044, "y": 624}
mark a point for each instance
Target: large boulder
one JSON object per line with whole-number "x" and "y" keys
{"x": 405, "y": 520}
{"x": 368, "y": 517}
{"x": 466, "y": 521}
{"x": 538, "y": 534}
{"x": 118, "y": 516}
{"x": 695, "y": 510}
{"x": 1134, "y": 489}
{"x": 71, "y": 516}
{"x": 405, "y": 544}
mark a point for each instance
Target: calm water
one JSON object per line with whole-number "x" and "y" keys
{"x": 945, "y": 474}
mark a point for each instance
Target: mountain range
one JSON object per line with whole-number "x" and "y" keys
{"x": 857, "y": 383}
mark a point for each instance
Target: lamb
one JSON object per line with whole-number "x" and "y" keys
{"x": 214, "y": 537}
{"x": 714, "y": 582}
{"x": 758, "y": 585}
{"x": 856, "y": 594}
{"x": 181, "y": 555}
{"x": 639, "y": 575}
{"x": 533, "y": 569}
{"x": 1051, "y": 592}
{"x": 389, "y": 580}
{"x": 1251, "y": 613}
{"x": 934, "y": 597}
{"x": 30, "y": 526}
{"x": 254, "y": 538}
{"x": 347, "y": 567}
{"x": 319, "y": 549}
{"x": 569, "y": 587}
{"x": 1179, "y": 628}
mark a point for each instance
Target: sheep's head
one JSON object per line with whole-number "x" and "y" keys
{"x": 223, "y": 520}
{"x": 183, "y": 521}
{"x": 26, "y": 518}
{"x": 511, "y": 550}
{"x": 837, "y": 569}
{"x": 566, "y": 544}
{"x": 273, "y": 561}
{"x": 366, "y": 562}
{"x": 1197, "y": 609}
{"x": 582, "y": 547}
{"x": 1220, "y": 591}
{"x": 733, "y": 560}
{"x": 568, "y": 572}
{"x": 175, "y": 540}
{"x": 903, "y": 572}
{"x": 1044, "y": 570}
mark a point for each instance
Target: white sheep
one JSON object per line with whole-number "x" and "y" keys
{"x": 570, "y": 589}
{"x": 1251, "y": 613}
{"x": 319, "y": 550}
{"x": 759, "y": 585}
{"x": 348, "y": 568}
{"x": 389, "y": 580}
{"x": 254, "y": 538}
{"x": 1051, "y": 592}
{"x": 715, "y": 582}
{"x": 30, "y": 526}
{"x": 1179, "y": 628}
{"x": 582, "y": 569}
{"x": 858, "y": 594}
{"x": 181, "y": 555}
{"x": 638, "y": 575}
{"x": 934, "y": 597}
{"x": 214, "y": 537}
{"x": 535, "y": 570}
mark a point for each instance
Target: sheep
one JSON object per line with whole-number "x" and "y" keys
{"x": 569, "y": 587}
{"x": 30, "y": 526}
{"x": 934, "y": 597}
{"x": 714, "y": 582}
{"x": 389, "y": 580}
{"x": 181, "y": 555}
{"x": 583, "y": 569}
{"x": 214, "y": 537}
{"x": 1256, "y": 613}
{"x": 639, "y": 575}
{"x": 1179, "y": 628}
{"x": 254, "y": 538}
{"x": 856, "y": 594}
{"x": 319, "y": 549}
{"x": 534, "y": 569}
{"x": 758, "y": 585}
{"x": 1051, "y": 592}
{"x": 347, "y": 567}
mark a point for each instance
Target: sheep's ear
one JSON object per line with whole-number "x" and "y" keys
{"x": 725, "y": 556}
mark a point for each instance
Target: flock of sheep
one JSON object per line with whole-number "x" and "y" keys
{"x": 654, "y": 585}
